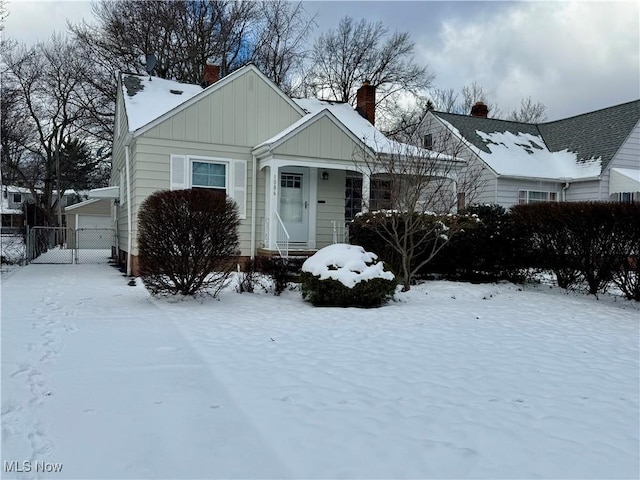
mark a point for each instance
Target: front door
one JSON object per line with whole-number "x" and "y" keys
{"x": 294, "y": 203}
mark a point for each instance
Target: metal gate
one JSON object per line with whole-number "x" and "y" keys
{"x": 65, "y": 245}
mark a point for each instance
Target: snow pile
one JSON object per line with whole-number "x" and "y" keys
{"x": 526, "y": 155}
{"x": 349, "y": 264}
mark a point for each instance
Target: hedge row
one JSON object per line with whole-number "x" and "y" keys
{"x": 590, "y": 243}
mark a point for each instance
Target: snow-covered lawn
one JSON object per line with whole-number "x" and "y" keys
{"x": 450, "y": 381}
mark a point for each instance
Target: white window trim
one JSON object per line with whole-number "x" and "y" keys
{"x": 218, "y": 161}
{"x": 184, "y": 177}
{"x": 527, "y": 196}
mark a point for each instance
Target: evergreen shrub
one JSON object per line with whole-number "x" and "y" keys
{"x": 369, "y": 284}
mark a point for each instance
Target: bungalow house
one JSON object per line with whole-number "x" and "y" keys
{"x": 594, "y": 156}
{"x": 290, "y": 164}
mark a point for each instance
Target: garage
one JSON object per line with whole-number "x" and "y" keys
{"x": 93, "y": 227}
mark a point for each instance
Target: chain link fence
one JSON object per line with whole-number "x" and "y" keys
{"x": 12, "y": 248}
{"x": 65, "y": 245}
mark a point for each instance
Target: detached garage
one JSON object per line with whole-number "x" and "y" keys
{"x": 92, "y": 223}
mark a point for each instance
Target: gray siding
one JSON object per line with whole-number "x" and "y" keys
{"x": 508, "y": 189}
{"x": 478, "y": 182}
{"x": 586, "y": 191}
{"x": 628, "y": 156}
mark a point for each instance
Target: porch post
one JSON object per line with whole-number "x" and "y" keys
{"x": 366, "y": 191}
{"x": 274, "y": 189}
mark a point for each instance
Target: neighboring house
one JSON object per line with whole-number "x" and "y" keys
{"x": 594, "y": 156}
{"x": 289, "y": 164}
{"x": 12, "y": 207}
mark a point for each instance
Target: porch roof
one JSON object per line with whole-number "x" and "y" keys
{"x": 359, "y": 129}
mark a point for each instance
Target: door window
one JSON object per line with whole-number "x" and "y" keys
{"x": 291, "y": 197}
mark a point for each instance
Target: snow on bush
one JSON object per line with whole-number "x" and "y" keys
{"x": 346, "y": 275}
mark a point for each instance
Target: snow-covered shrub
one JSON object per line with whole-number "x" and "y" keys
{"x": 187, "y": 241}
{"x": 344, "y": 275}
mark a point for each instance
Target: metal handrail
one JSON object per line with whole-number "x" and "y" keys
{"x": 282, "y": 237}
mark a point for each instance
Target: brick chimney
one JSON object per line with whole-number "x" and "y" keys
{"x": 479, "y": 109}
{"x": 366, "y": 101}
{"x": 211, "y": 75}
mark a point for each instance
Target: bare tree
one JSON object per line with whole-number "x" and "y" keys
{"x": 421, "y": 189}
{"x": 529, "y": 111}
{"x": 47, "y": 116}
{"x": 343, "y": 58}
{"x": 448, "y": 100}
{"x": 280, "y": 41}
{"x": 182, "y": 35}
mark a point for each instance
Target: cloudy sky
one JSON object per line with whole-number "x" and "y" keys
{"x": 572, "y": 56}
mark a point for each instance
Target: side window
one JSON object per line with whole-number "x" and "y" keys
{"x": 209, "y": 175}
{"x": 223, "y": 175}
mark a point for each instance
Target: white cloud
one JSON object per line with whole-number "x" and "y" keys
{"x": 572, "y": 56}
{"x": 33, "y": 21}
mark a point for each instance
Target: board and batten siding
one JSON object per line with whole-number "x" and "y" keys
{"x": 322, "y": 140}
{"x": 244, "y": 112}
{"x": 628, "y": 156}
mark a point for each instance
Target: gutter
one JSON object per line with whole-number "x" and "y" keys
{"x": 129, "y": 221}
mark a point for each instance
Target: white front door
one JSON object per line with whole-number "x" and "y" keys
{"x": 294, "y": 203}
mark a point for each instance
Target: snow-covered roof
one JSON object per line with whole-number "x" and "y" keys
{"x": 526, "y": 155}
{"x": 147, "y": 98}
{"x": 4, "y": 208}
{"x": 355, "y": 123}
{"x": 578, "y": 147}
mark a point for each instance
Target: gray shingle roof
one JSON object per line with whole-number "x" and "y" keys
{"x": 590, "y": 135}
{"x": 594, "y": 134}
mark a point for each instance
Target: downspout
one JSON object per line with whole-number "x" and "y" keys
{"x": 564, "y": 191}
{"x": 129, "y": 222}
{"x": 254, "y": 195}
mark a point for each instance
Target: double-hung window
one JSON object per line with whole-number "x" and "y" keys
{"x": 210, "y": 175}
{"x": 224, "y": 175}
